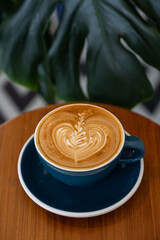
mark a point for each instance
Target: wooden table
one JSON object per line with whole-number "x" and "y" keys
{"x": 21, "y": 218}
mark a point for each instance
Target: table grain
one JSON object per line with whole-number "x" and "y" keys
{"x": 21, "y": 218}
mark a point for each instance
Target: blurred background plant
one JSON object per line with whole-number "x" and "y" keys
{"x": 112, "y": 43}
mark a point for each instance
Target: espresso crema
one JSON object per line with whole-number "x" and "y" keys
{"x": 79, "y": 136}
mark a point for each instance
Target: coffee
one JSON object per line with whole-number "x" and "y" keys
{"x": 79, "y": 136}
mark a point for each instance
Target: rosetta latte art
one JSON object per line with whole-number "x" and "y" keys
{"x": 79, "y": 136}
{"x": 77, "y": 141}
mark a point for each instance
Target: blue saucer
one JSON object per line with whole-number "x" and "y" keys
{"x": 105, "y": 196}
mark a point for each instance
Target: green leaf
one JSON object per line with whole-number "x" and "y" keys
{"x": 8, "y": 7}
{"x": 22, "y": 44}
{"x": 117, "y": 36}
{"x": 115, "y": 75}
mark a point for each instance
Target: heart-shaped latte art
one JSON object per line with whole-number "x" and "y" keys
{"x": 79, "y": 141}
{"x": 79, "y": 137}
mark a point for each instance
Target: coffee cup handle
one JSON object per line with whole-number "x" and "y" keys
{"x": 133, "y": 150}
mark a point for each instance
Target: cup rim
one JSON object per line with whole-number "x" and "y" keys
{"x": 80, "y": 170}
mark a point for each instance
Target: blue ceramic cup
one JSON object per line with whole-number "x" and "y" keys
{"x": 132, "y": 149}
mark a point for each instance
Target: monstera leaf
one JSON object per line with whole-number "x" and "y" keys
{"x": 119, "y": 35}
{"x": 8, "y": 7}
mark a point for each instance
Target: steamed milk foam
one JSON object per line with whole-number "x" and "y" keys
{"x": 79, "y": 136}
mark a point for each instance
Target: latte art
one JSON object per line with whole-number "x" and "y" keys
{"x": 79, "y": 136}
{"x": 75, "y": 142}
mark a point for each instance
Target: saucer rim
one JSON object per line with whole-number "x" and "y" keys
{"x": 76, "y": 214}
